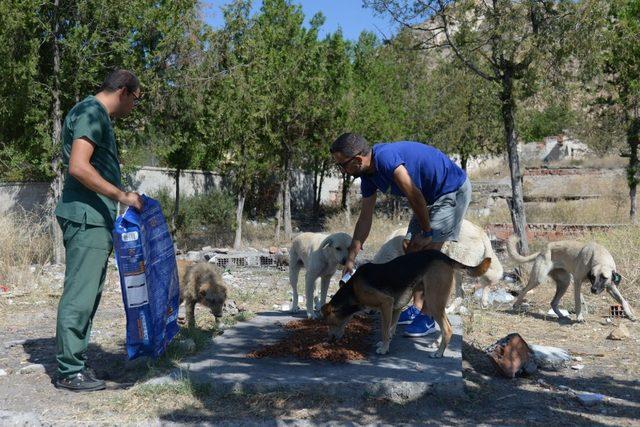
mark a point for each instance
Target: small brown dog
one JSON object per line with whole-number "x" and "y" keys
{"x": 388, "y": 288}
{"x": 202, "y": 283}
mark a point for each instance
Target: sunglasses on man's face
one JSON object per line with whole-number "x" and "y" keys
{"x": 137, "y": 99}
{"x": 343, "y": 165}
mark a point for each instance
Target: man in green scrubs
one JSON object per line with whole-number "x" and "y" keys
{"x": 86, "y": 213}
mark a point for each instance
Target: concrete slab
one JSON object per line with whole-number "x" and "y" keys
{"x": 404, "y": 374}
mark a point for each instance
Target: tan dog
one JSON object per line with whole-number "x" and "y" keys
{"x": 202, "y": 283}
{"x": 320, "y": 255}
{"x": 388, "y": 288}
{"x": 472, "y": 247}
{"x": 563, "y": 259}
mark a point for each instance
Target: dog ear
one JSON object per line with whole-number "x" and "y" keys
{"x": 327, "y": 242}
{"x": 616, "y": 278}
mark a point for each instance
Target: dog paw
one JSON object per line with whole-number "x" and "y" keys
{"x": 564, "y": 320}
{"x": 580, "y": 319}
{"x": 313, "y": 315}
{"x": 383, "y": 348}
{"x": 294, "y": 309}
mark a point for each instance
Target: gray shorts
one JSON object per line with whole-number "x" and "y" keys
{"x": 445, "y": 215}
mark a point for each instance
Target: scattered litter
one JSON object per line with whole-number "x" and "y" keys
{"x": 578, "y": 367}
{"x": 33, "y": 369}
{"x": 3, "y": 373}
{"x": 4, "y": 289}
{"x": 463, "y": 311}
{"x": 510, "y": 277}
{"x": 511, "y": 356}
{"x": 285, "y": 307}
{"x": 577, "y": 358}
{"x": 620, "y": 333}
{"x": 550, "y": 358}
{"x": 590, "y": 399}
{"x": 552, "y": 313}
{"x": 500, "y": 296}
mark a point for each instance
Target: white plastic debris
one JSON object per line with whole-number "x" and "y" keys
{"x": 500, "y": 296}
{"x": 550, "y": 358}
{"x": 577, "y": 367}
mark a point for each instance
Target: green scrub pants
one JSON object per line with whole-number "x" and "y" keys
{"x": 87, "y": 250}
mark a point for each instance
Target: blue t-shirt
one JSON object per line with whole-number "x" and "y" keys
{"x": 431, "y": 171}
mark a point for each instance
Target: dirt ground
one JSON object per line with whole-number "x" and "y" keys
{"x": 611, "y": 368}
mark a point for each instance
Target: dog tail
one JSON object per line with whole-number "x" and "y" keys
{"x": 513, "y": 251}
{"x": 475, "y": 271}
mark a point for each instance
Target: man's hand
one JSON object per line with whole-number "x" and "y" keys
{"x": 348, "y": 267}
{"x": 418, "y": 243}
{"x": 131, "y": 198}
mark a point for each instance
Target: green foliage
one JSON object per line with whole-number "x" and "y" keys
{"x": 553, "y": 120}
{"x": 208, "y": 217}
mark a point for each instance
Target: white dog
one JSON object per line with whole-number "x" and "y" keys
{"x": 567, "y": 259}
{"x": 320, "y": 255}
{"x": 472, "y": 247}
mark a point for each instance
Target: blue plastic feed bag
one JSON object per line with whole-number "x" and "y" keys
{"x": 148, "y": 277}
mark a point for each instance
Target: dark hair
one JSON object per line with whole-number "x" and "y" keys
{"x": 120, "y": 78}
{"x": 350, "y": 144}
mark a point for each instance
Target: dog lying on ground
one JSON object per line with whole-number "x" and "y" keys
{"x": 472, "y": 247}
{"x": 201, "y": 283}
{"x": 320, "y": 255}
{"x": 563, "y": 259}
{"x": 388, "y": 288}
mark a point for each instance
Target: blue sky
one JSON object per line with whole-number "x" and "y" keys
{"x": 346, "y": 14}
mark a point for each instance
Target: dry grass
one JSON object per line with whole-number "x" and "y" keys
{"x": 591, "y": 211}
{"x": 611, "y": 161}
{"x": 381, "y": 228}
{"x": 25, "y": 245}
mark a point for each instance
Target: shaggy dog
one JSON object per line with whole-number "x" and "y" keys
{"x": 472, "y": 247}
{"x": 564, "y": 259}
{"x": 320, "y": 255}
{"x": 202, "y": 283}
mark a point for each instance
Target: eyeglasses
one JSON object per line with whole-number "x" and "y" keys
{"x": 343, "y": 165}
{"x": 137, "y": 99}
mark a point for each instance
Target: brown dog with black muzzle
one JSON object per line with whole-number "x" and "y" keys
{"x": 388, "y": 288}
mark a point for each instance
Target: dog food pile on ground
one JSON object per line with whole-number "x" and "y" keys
{"x": 307, "y": 339}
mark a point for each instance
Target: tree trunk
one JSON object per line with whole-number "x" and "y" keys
{"x": 463, "y": 161}
{"x": 633, "y": 139}
{"x": 176, "y": 203}
{"x": 288, "y": 231}
{"x": 323, "y": 169}
{"x": 55, "y": 191}
{"x": 518, "y": 217}
{"x": 237, "y": 242}
{"x": 316, "y": 177}
{"x": 346, "y": 200}
{"x": 278, "y": 214}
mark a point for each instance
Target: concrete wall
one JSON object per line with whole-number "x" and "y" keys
{"x": 28, "y": 196}
{"x": 31, "y": 196}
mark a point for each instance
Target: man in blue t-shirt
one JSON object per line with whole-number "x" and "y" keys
{"x": 437, "y": 189}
